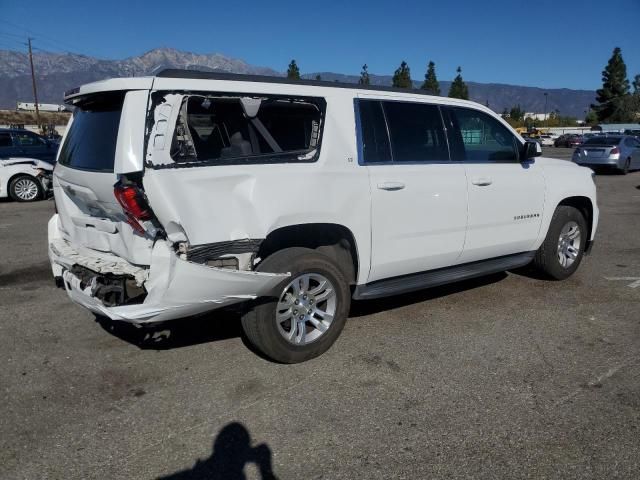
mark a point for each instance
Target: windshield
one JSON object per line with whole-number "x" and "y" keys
{"x": 91, "y": 141}
{"x": 603, "y": 141}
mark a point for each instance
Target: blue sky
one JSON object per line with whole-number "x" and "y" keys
{"x": 561, "y": 43}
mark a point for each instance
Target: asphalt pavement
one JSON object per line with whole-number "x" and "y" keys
{"x": 507, "y": 376}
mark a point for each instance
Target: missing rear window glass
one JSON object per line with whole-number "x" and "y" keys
{"x": 244, "y": 129}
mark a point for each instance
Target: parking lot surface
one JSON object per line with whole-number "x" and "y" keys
{"x": 508, "y": 376}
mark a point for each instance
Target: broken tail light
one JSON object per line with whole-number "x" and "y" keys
{"x": 134, "y": 204}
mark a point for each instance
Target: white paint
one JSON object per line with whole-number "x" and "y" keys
{"x": 130, "y": 145}
{"x": 635, "y": 281}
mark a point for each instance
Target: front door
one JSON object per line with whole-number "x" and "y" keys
{"x": 418, "y": 197}
{"x": 506, "y": 196}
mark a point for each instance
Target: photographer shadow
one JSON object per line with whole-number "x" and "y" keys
{"x": 232, "y": 451}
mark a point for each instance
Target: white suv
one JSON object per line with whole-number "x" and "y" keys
{"x": 191, "y": 191}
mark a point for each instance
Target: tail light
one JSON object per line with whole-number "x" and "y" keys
{"x": 615, "y": 151}
{"x": 134, "y": 203}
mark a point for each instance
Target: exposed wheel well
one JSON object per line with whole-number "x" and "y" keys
{"x": 335, "y": 241}
{"x": 584, "y": 205}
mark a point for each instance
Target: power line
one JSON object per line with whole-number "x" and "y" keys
{"x": 41, "y": 37}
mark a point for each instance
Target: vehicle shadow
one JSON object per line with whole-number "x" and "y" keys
{"x": 232, "y": 451}
{"x": 182, "y": 332}
{"x": 361, "y": 308}
{"x": 225, "y": 324}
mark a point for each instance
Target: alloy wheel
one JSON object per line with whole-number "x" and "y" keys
{"x": 306, "y": 308}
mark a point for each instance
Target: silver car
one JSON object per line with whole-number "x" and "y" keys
{"x": 621, "y": 152}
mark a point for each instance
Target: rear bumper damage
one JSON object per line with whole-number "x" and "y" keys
{"x": 174, "y": 287}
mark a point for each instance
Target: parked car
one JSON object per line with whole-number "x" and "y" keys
{"x": 23, "y": 143}
{"x": 25, "y": 179}
{"x": 192, "y": 191}
{"x": 546, "y": 140}
{"x": 568, "y": 140}
{"x": 621, "y": 152}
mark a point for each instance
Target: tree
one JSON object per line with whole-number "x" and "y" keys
{"x": 615, "y": 87}
{"x": 636, "y": 85}
{"x": 431, "y": 84}
{"x": 516, "y": 113}
{"x": 318, "y": 78}
{"x": 293, "y": 72}
{"x": 591, "y": 118}
{"x": 364, "y": 75}
{"x": 458, "y": 88}
{"x": 402, "y": 76}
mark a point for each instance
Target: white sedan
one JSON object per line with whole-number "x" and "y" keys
{"x": 546, "y": 140}
{"x": 25, "y": 179}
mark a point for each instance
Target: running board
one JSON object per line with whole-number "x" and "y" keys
{"x": 441, "y": 276}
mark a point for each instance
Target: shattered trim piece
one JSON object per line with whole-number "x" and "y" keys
{"x": 213, "y": 251}
{"x": 105, "y": 263}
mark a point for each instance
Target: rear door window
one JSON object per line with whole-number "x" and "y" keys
{"x": 416, "y": 131}
{"x": 91, "y": 140}
{"x": 5, "y": 140}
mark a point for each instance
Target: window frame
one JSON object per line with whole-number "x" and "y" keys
{"x": 456, "y": 141}
{"x": 381, "y": 101}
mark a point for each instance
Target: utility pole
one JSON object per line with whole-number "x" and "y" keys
{"x": 33, "y": 81}
{"x": 546, "y": 119}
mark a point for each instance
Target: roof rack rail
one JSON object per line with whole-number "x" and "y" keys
{"x": 238, "y": 77}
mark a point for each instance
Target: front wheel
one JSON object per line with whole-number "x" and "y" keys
{"x": 563, "y": 248}
{"x": 308, "y": 310}
{"x": 25, "y": 188}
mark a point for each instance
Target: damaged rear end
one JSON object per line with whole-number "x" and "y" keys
{"x": 118, "y": 250}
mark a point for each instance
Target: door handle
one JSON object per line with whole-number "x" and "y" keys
{"x": 482, "y": 181}
{"x": 391, "y": 186}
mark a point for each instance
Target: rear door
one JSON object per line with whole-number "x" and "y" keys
{"x": 104, "y": 138}
{"x": 418, "y": 197}
{"x": 506, "y": 196}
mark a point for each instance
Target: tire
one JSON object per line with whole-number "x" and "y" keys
{"x": 25, "y": 188}
{"x": 548, "y": 257}
{"x": 627, "y": 164}
{"x": 269, "y": 336}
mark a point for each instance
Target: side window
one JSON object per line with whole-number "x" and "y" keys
{"x": 375, "y": 141}
{"x": 417, "y": 133}
{"x": 5, "y": 140}
{"x": 27, "y": 139}
{"x": 217, "y": 129}
{"x": 484, "y": 139}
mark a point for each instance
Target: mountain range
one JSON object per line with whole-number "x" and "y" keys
{"x": 57, "y": 72}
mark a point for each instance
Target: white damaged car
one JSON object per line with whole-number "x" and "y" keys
{"x": 190, "y": 191}
{"x": 25, "y": 179}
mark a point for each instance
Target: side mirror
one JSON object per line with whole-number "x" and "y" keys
{"x": 531, "y": 150}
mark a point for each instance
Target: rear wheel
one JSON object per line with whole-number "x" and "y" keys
{"x": 308, "y": 310}
{"x": 25, "y": 189}
{"x": 562, "y": 250}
